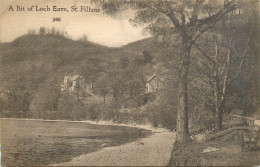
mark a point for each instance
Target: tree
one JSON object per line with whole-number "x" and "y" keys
{"x": 69, "y": 107}
{"x": 92, "y": 70}
{"x": 53, "y": 31}
{"x": 31, "y": 32}
{"x": 45, "y": 99}
{"x": 77, "y": 89}
{"x": 84, "y": 38}
{"x": 167, "y": 18}
{"x": 123, "y": 62}
{"x": 148, "y": 58}
{"x": 42, "y": 31}
{"x": 103, "y": 85}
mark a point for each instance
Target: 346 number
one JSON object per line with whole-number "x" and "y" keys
{"x": 56, "y": 19}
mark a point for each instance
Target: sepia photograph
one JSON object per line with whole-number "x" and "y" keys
{"x": 129, "y": 83}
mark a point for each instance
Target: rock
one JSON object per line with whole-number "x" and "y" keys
{"x": 210, "y": 149}
{"x": 200, "y": 137}
{"x": 257, "y": 122}
{"x": 140, "y": 143}
{"x": 246, "y": 139}
{"x": 258, "y": 143}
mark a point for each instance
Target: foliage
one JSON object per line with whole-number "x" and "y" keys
{"x": 93, "y": 111}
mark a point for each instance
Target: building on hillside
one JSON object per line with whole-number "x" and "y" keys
{"x": 152, "y": 84}
{"x": 73, "y": 83}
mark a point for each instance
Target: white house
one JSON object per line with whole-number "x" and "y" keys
{"x": 152, "y": 84}
{"x": 71, "y": 83}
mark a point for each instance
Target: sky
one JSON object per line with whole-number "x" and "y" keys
{"x": 99, "y": 27}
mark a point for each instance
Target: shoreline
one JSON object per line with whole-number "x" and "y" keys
{"x": 100, "y": 122}
{"x": 154, "y": 150}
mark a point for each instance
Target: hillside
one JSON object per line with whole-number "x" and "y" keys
{"x": 41, "y": 47}
{"x": 33, "y": 67}
{"x": 41, "y": 56}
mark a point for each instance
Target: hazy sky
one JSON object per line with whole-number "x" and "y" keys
{"x": 99, "y": 27}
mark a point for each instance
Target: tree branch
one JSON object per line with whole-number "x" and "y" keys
{"x": 194, "y": 15}
{"x": 175, "y": 21}
{"x": 212, "y": 20}
{"x": 240, "y": 66}
{"x": 204, "y": 54}
{"x": 228, "y": 7}
{"x": 170, "y": 15}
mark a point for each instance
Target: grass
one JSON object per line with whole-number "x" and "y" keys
{"x": 230, "y": 152}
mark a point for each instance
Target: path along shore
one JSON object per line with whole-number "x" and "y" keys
{"x": 154, "y": 150}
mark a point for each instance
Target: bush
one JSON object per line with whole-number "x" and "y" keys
{"x": 93, "y": 111}
{"x": 70, "y": 108}
{"x": 161, "y": 114}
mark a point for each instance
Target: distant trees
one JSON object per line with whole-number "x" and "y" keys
{"x": 92, "y": 71}
{"x": 148, "y": 58}
{"x": 69, "y": 107}
{"x": 123, "y": 62}
{"x": 127, "y": 81}
{"x": 84, "y": 38}
{"x": 14, "y": 103}
{"x": 45, "y": 100}
{"x": 145, "y": 58}
{"x": 51, "y": 31}
{"x": 103, "y": 85}
{"x": 17, "y": 93}
{"x": 93, "y": 111}
{"x": 42, "y": 31}
{"x": 31, "y": 32}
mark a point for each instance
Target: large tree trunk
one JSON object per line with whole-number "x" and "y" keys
{"x": 183, "y": 135}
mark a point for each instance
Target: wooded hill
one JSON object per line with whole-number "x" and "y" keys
{"x": 33, "y": 67}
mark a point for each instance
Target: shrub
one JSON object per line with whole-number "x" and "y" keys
{"x": 93, "y": 111}
{"x": 161, "y": 114}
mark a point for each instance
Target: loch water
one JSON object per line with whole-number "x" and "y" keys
{"x": 33, "y": 142}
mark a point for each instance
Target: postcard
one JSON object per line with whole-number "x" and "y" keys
{"x": 129, "y": 83}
